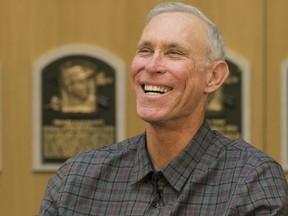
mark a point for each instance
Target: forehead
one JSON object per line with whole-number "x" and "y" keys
{"x": 179, "y": 16}
{"x": 176, "y": 26}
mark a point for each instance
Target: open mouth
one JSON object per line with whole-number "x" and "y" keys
{"x": 155, "y": 90}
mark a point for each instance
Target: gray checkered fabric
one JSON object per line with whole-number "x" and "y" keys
{"x": 211, "y": 176}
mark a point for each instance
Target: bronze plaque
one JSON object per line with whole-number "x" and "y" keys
{"x": 224, "y": 109}
{"x": 78, "y": 103}
{"x": 78, "y": 106}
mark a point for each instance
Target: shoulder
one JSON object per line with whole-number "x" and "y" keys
{"x": 245, "y": 159}
{"x": 241, "y": 150}
{"x": 260, "y": 178}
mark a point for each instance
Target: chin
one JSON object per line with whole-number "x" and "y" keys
{"x": 151, "y": 119}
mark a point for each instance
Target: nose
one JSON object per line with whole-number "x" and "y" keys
{"x": 155, "y": 63}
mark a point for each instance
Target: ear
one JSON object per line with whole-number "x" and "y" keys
{"x": 218, "y": 73}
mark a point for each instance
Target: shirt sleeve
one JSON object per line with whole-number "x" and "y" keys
{"x": 264, "y": 192}
{"x": 50, "y": 201}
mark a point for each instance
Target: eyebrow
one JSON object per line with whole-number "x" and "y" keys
{"x": 144, "y": 43}
{"x": 169, "y": 45}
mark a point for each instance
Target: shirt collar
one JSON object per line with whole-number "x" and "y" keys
{"x": 142, "y": 164}
{"x": 177, "y": 171}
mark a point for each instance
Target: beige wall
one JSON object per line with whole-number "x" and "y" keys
{"x": 276, "y": 52}
{"x": 256, "y": 30}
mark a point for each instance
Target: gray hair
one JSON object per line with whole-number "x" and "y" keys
{"x": 216, "y": 49}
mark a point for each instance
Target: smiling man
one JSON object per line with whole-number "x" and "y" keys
{"x": 179, "y": 166}
{"x": 172, "y": 56}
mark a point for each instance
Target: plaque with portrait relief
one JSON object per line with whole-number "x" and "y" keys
{"x": 79, "y": 103}
{"x": 228, "y": 108}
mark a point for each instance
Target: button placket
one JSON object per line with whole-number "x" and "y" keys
{"x": 158, "y": 184}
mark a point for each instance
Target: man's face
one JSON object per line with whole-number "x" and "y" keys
{"x": 168, "y": 70}
{"x": 79, "y": 81}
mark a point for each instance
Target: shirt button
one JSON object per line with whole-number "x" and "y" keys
{"x": 157, "y": 176}
{"x": 156, "y": 204}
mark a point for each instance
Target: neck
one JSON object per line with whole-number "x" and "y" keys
{"x": 165, "y": 142}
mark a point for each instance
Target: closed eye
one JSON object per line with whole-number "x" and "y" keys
{"x": 144, "y": 51}
{"x": 175, "y": 54}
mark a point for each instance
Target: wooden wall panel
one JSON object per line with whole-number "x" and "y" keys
{"x": 277, "y": 52}
{"x": 30, "y": 28}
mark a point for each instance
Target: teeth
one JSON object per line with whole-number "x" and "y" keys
{"x": 155, "y": 90}
{"x": 153, "y": 93}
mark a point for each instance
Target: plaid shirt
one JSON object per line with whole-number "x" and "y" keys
{"x": 211, "y": 176}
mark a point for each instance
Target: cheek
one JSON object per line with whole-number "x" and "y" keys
{"x": 136, "y": 66}
{"x": 192, "y": 81}
{"x": 184, "y": 75}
